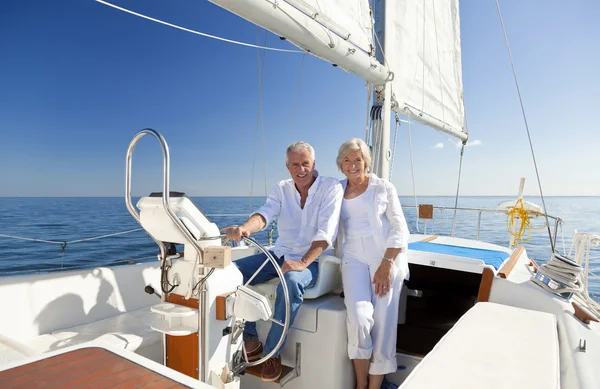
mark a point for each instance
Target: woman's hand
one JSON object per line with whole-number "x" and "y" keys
{"x": 383, "y": 278}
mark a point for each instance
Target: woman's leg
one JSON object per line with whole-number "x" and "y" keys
{"x": 385, "y": 329}
{"x": 361, "y": 368}
{"x": 375, "y": 381}
{"x": 357, "y": 291}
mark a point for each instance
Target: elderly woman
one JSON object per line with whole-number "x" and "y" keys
{"x": 373, "y": 239}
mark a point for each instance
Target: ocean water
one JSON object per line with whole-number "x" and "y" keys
{"x": 68, "y": 219}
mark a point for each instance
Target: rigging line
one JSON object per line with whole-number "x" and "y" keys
{"x": 395, "y": 144}
{"x": 374, "y": 129}
{"x": 262, "y": 118}
{"x": 258, "y": 113}
{"x": 412, "y": 168}
{"x": 454, "y": 143}
{"x": 29, "y": 239}
{"x": 378, "y": 129}
{"x": 368, "y": 116}
{"x": 380, "y": 143}
{"x": 537, "y": 173}
{"x": 69, "y": 242}
{"x": 382, "y": 52}
{"x": 104, "y": 236}
{"x": 462, "y": 153}
{"x": 295, "y": 103}
{"x": 196, "y": 32}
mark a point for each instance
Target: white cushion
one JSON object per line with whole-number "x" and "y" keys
{"x": 328, "y": 280}
{"x": 493, "y": 346}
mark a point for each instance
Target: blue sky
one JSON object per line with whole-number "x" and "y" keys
{"x": 78, "y": 79}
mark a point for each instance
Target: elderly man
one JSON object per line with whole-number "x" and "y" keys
{"x": 308, "y": 211}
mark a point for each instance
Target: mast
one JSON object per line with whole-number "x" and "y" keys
{"x": 381, "y": 166}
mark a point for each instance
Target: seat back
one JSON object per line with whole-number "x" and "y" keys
{"x": 328, "y": 280}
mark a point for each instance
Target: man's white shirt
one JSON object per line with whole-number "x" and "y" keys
{"x": 298, "y": 227}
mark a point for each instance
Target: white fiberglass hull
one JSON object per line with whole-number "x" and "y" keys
{"x": 45, "y": 313}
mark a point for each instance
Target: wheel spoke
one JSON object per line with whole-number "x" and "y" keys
{"x": 256, "y": 272}
{"x": 277, "y": 322}
{"x": 244, "y": 354}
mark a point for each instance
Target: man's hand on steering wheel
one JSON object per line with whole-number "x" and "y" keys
{"x": 236, "y": 233}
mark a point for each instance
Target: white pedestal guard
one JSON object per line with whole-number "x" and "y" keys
{"x": 175, "y": 320}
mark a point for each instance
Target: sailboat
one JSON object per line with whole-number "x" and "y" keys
{"x": 473, "y": 314}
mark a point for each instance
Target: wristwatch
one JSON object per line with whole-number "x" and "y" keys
{"x": 390, "y": 260}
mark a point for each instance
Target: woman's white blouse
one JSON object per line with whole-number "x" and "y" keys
{"x": 355, "y": 215}
{"x": 386, "y": 219}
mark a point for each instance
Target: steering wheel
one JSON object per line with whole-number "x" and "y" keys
{"x": 246, "y": 363}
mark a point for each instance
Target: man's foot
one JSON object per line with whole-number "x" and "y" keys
{"x": 271, "y": 369}
{"x": 254, "y": 349}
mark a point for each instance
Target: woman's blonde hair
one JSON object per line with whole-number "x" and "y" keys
{"x": 353, "y": 145}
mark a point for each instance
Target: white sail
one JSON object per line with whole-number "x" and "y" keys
{"x": 338, "y": 31}
{"x": 351, "y": 18}
{"x": 423, "y": 52}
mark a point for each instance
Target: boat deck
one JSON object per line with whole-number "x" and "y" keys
{"x": 91, "y": 367}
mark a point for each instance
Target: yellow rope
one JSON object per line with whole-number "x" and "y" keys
{"x": 519, "y": 211}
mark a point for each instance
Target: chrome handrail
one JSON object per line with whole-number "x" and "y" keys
{"x": 475, "y": 209}
{"x": 557, "y": 220}
{"x": 166, "y": 168}
{"x": 166, "y": 188}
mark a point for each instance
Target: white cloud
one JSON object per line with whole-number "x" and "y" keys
{"x": 438, "y": 146}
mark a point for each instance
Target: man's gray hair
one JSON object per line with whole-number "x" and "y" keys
{"x": 353, "y": 145}
{"x": 299, "y": 146}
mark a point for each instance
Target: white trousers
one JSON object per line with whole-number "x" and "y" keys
{"x": 372, "y": 320}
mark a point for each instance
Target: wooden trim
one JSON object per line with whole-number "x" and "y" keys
{"x": 221, "y": 306}
{"x": 534, "y": 264}
{"x": 180, "y": 300}
{"x": 509, "y": 265}
{"x": 431, "y": 238}
{"x": 485, "y": 287}
{"x": 425, "y": 211}
{"x": 182, "y": 351}
{"x": 582, "y": 314}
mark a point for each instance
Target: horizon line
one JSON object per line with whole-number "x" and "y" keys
{"x": 238, "y": 196}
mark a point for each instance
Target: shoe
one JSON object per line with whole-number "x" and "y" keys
{"x": 254, "y": 349}
{"x": 271, "y": 370}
